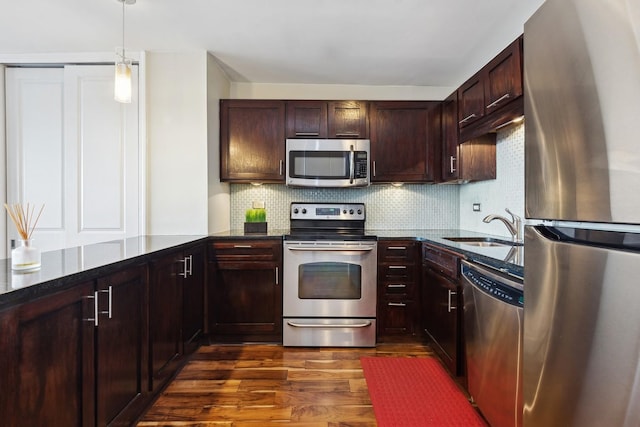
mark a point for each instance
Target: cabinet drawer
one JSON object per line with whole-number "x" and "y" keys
{"x": 245, "y": 250}
{"x": 398, "y": 289}
{"x": 396, "y": 272}
{"x": 402, "y": 251}
{"x": 441, "y": 261}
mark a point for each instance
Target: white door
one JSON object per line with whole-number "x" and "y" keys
{"x": 73, "y": 148}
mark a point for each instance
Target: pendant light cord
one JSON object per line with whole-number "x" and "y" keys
{"x": 123, "y": 55}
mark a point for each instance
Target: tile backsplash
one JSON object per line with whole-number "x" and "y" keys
{"x": 411, "y": 206}
{"x": 506, "y": 191}
{"x": 406, "y": 207}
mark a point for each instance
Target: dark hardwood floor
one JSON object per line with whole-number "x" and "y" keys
{"x": 262, "y": 385}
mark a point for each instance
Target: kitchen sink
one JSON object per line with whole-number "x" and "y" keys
{"x": 484, "y": 242}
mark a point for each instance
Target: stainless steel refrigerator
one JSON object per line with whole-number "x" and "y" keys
{"x": 581, "y": 359}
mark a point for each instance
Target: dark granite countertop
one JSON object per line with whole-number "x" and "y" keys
{"x": 65, "y": 267}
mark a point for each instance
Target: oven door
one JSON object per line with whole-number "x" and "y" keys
{"x": 330, "y": 279}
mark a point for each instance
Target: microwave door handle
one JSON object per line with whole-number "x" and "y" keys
{"x": 352, "y": 165}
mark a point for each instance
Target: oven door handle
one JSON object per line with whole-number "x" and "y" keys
{"x": 333, "y": 325}
{"x": 332, "y": 248}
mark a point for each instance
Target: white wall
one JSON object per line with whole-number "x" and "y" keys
{"x": 177, "y": 143}
{"x": 3, "y": 162}
{"x": 506, "y": 191}
{"x": 309, "y": 91}
{"x": 218, "y": 87}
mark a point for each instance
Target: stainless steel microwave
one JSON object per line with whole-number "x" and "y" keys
{"x": 327, "y": 162}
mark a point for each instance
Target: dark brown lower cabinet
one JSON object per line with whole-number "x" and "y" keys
{"x": 176, "y": 310}
{"x": 193, "y": 299}
{"x": 121, "y": 353}
{"x": 69, "y": 369}
{"x": 397, "y": 311}
{"x": 49, "y": 345}
{"x": 441, "y": 306}
{"x": 244, "y": 291}
{"x": 164, "y": 316}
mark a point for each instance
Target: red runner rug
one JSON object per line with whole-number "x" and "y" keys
{"x": 411, "y": 392}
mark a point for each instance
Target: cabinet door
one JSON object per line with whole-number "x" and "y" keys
{"x": 245, "y": 301}
{"x": 450, "y": 166}
{"x": 121, "y": 352}
{"x": 347, "y": 119}
{"x": 471, "y": 100}
{"x": 252, "y": 141}
{"x": 193, "y": 298}
{"x": 440, "y": 316}
{"x": 401, "y": 150}
{"x": 306, "y": 119}
{"x": 396, "y": 319}
{"x": 47, "y": 361}
{"x": 164, "y": 315}
{"x": 504, "y": 77}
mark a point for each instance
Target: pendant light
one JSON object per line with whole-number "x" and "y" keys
{"x": 122, "y": 90}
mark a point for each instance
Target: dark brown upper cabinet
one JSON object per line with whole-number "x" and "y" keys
{"x": 306, "y": 119}
{"x": 252, "y": 141}
{"x": 327, "y": 119}
{"x": 474, "y": 159}
{"x": 347, "y": 119}
{"x": 493, "y": 96}
{"x": 404, "y": 138}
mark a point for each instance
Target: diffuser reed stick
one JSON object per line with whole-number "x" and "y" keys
{"x": 23, "y": 218}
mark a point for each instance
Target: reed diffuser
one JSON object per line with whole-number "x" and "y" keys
{"x": 25, "y": 256}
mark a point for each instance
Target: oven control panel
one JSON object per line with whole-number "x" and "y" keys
{"x": 328, "y": 211}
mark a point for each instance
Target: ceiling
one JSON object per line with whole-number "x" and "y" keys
{"x": 368, "y": 42}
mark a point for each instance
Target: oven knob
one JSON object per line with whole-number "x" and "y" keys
{"x": 295, "y": 211}
{"x": 350, "y": 211}
{"x": 344, "y": 211}
{"x": 304, "y": 211}
{"x": 359, "y": 211}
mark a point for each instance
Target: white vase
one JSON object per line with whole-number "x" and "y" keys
{"x": 25, "y": 256}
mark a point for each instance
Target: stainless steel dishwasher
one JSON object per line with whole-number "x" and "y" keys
{"x": 493, "y": 312}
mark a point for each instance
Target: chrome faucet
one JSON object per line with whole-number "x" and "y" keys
{"x": 514, "y": 226}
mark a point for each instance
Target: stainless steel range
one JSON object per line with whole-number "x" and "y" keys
{"x": 329, "y": 278}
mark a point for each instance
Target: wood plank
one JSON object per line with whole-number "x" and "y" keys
{"x": 262, "y": 384}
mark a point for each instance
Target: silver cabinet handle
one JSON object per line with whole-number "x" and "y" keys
{"x": 374, "y": 168}
{"x": 93, "y": 319}
{"x": 466, "y": 119}
{"x": 397, "y": 248}
{"x": 397, "y": 286}
{"x": 281, "y": 166}
{"x": 184, "y": 267}
{"x": 347, "y": 135}
{"x": 307, "y": 134}
{"x": 397, "y": 267}
{"x": 452, "y": 167}
{"x": 498, "y": 101}
{"x": 242, "y": 246}
{"x": 109, "y": 312}
{"x": 277, "y": 276}
{"x": 190, "y": 270}
{"x": 449, "y": 306}
{"x": 397, "y": 304}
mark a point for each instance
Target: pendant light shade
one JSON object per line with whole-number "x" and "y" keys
{"x": 122, "y": 86}
{"x": 122, "y": 92}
